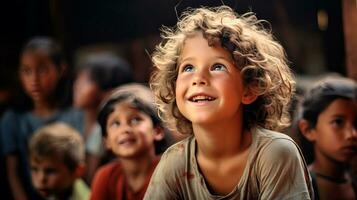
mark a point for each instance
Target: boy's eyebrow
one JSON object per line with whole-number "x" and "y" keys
{"x": 180, "y": 60}
{"x": 338, "y": 115}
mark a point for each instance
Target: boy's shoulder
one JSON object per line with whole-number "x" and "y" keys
{"x": 177, "y": 156}
{"x": 110, "y": 169}
{"x": 13, "y": 114}
{"x": 274, "y": 144}
{"x": 266, "y": 135}
{"x": 180, "y": 147}
{"x": 81, "y": 190}
{"x": 71, "y": 112}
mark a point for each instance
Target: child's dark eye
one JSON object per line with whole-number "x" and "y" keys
{"x": 50, "y": 171}
{"x": 25, "y": 71}
{"x": 338, "y": 122}
{"x": 188, "y": 68}
{"x": 219, "y": 67}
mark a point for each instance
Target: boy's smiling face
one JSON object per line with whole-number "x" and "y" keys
{"x": 209, "y": 87}
{"x": 130, "y": 132}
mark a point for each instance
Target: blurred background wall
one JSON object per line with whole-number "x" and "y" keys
{"x": 313, "y": 32}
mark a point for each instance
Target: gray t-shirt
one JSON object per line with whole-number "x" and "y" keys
{"x": 275, "y": 170}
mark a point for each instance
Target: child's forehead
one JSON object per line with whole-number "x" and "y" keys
{"x": 35, "y": 56}
{"x": 126, "y": 105}
{"x": 46, "y": 160}
{"x": 198, "y": 40}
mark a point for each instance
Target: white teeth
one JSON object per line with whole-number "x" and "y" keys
{"x": 202, "y": 98}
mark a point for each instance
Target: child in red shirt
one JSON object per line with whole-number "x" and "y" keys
{"x": 133, "y": 131}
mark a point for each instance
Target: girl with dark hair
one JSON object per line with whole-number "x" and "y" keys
{"x": 42, "y": 76}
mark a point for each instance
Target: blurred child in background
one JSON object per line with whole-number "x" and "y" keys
{"x": 328, "y": 120}
{"x": 56, "y": 154}
{"x": 42, "y": 73}
{"x": 96, "y": 77}
{"x": 132, "y": 129}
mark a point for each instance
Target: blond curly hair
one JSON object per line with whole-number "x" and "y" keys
{"x": 259, "y": 57}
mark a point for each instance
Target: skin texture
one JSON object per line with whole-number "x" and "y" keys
{"x": 335, "y": 134}
{"x": 51, "y": 177}
{"x": 131, "y": 136}
{"x": 209, "y": 75}
{"x": 39, "y": 76}
{"x": 130, "y": 132}
{"x": 207, "y": 71}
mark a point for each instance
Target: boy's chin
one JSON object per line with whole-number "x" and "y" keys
{"x": 45, "y": 193}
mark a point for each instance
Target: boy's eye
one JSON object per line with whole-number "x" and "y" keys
{"x": 51, "y": 171}
{"x": 188, "y": 68}
{"x": 219, "y": 67}
{"x": 135, "y": 120}
{"x": 114, "y": 124}
{"x": 338, "y": 122}
{"x": 25, "y": 71}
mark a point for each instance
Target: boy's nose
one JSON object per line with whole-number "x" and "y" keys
{"x": 125, "y": 128}
{"x": 34, "y": 77}
{"x": 352, "y": 133}
{"x": 200, "y": 79}
{"x": 42, "y": 178}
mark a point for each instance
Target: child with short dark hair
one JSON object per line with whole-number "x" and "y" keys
{"x": 96, "y": 77}
{"x": 56, "y": 154}
{"x": 224, "y": 79}
{"x": 328, "y": 120}
{"x": 132, "y": 129}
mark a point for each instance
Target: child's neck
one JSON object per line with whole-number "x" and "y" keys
{"x": 44, "y": 109}
{"x": 328, "y": 167}
{"x": 136, "y": 170}
{"x": 66, "y": 194}
{"x": 222, "y": 141}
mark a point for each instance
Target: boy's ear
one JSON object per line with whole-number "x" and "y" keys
{"x": 248, "y": 96}
{"x": 306, "y": 130}
{"x": 80, "y": 170}
{"x": 159, "y": 133}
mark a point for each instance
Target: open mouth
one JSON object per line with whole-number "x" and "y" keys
{"x": 201, "y": 98}
{"x": 127, "y": 141}
{"x": 350, "y": 149}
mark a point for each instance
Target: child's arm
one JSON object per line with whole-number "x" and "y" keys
{"x": 282, "y": 172}
{"x": 16, "y": 186}
{"x": 9, "y": 133}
